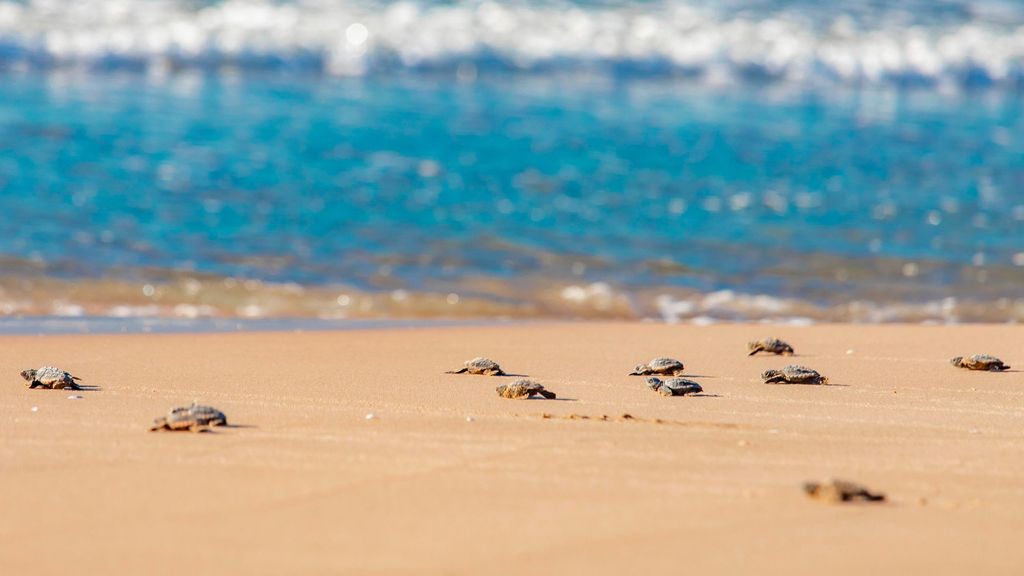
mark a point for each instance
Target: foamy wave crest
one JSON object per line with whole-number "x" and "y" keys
{"x": 179, "y": 295}
{"x": 970, "y": 44}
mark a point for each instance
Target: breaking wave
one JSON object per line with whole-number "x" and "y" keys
{"x": 188, "y": 297}
{"x": 942, "y": 44}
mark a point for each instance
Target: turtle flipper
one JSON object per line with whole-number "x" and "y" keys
{"x": 754, "y": 350}
{"x": 872, "y": 496}
{"x": 547, "y": 394}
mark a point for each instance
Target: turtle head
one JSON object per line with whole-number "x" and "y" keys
{"x": 770, "y": 374}
{"x": 654, "y": 383}
{"x": 955, "y": 361}
{"x": 29, "y": 375}
{"x": 640, "y": 370}
{"x": 158, "y": 424}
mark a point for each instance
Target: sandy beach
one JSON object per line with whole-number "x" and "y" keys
{"x": 448, "y": 478}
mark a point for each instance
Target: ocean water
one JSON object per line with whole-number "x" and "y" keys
{"x": 679, "y": 160}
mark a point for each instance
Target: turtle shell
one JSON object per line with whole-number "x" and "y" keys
{"x": 482, "y": 364}
{"x": 794, "y": 374}
{"x": 680, "y": 387}
{"x": 51, "y": 377}
{"x": 205, "y": 415}
{"x": 193, "y": 417}
{"x": 661, "y": 365}
{"x": 674, "y": 386}
{"x": 523, "y": 389}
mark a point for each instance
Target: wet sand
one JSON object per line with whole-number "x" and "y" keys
{"x": 448, "y": 478}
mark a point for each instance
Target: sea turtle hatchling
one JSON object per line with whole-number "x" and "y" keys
{"x": 195, "y": 417}
{"x": 772, "y": 345}
{"x": 660, "y": 366}
{"x": 482, "y": 366}
{"x": 674, "y": 386}
{"x": 838, "y": 491}
{"x": 793, "y": 374}
{"x": 979, "y": 362}
{"x": 521, "y": 389}
{"x": 50, "y": 377}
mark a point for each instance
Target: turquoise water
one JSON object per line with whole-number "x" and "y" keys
{"x": 635, "y": 158}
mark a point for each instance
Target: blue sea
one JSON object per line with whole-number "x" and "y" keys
{"x": 677, "y": 160}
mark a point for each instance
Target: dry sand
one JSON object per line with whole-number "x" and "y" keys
{"x": 447, "y": 478}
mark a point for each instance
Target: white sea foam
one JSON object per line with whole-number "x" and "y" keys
{"x": 730, "y": 305}
{"x": 982, "y": 43}
{"x": 62, "y": 308}
{"x": 129, "y": 311}
{"x": 596, "y": 300}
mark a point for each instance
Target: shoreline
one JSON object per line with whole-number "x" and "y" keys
{"x": 139, "y": 325}
{"x": 109, "y": 325}
{"x": 447, "y": 478}
{"x": 673, "y": 294}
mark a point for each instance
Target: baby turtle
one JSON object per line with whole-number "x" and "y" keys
{"x": 841, "y": 491}
{"x": 195, "y": 418}
{"x": 482, "y": 366}
{"x": 50, "y": 377}
{"x": 979, "y": 362}
{"x": 523, "y": 389}
{"x": 793, "y": 374}
{"x": 772, "y": 345}
{"x": 674, "y": 386}
{"x": 660, "y": 366}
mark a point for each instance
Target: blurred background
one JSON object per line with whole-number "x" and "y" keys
{"x": 681, "y": 160}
